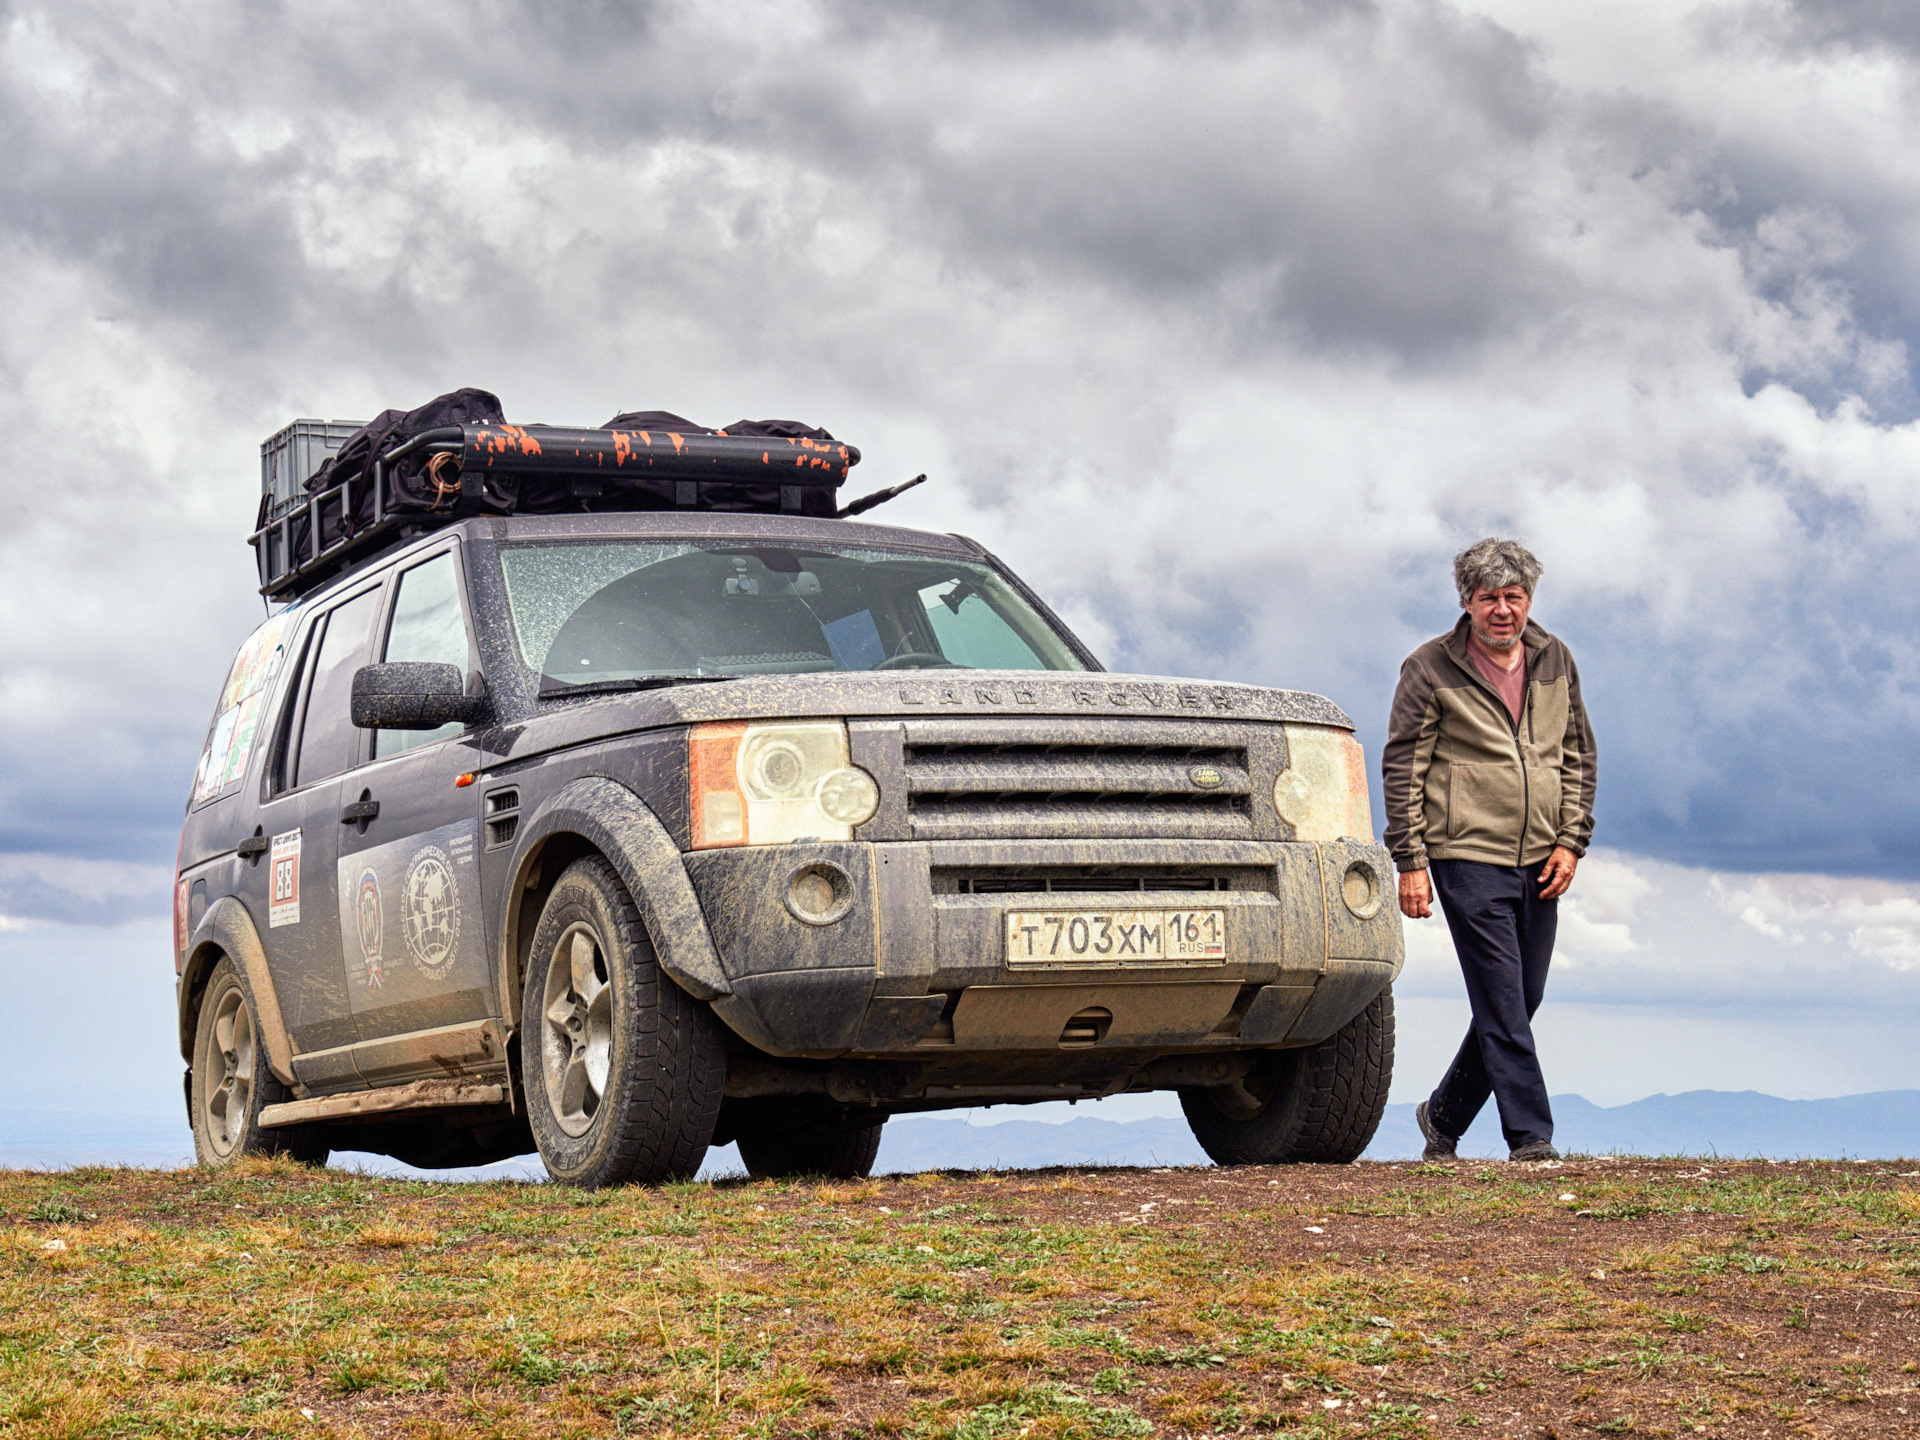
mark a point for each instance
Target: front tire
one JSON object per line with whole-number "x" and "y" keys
{"x": 836, "y": 1152}
{"x": 623, "y": 1069}
{"x": 231, "y": 1084}
{"x": 1318, "y": 1105}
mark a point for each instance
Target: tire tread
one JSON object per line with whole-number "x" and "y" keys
{"x": 846, "y": 1154}
{"x": 1327, "y": 1109}
{"x": 669, "y": 1097}
{"x": 305, "y": 1144}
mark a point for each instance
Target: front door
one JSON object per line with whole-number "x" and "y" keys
{"x": 408, "y": 874}
{"x": 299, "y": 817}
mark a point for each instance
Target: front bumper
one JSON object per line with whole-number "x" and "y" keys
{"x": 917, "y": 966}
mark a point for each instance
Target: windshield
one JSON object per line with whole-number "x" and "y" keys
{"x": 598, "y": 613}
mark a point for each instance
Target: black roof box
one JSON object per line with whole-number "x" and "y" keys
{"x": 402, "y": 474}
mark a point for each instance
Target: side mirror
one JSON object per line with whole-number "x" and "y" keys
{"x": 413, "y": 695}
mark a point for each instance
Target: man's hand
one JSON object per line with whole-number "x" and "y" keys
{"x": 1555, "y": 876}
{"x": 1416, "y": 894}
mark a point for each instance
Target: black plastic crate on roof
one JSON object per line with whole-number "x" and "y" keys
{"x": 457, "y": 471}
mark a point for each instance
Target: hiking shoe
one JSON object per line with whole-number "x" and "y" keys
{"x": 1534, "y": 1150}
{"x": 1439, "y": 1147}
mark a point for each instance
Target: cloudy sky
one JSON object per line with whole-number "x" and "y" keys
{"x": 1226, "y": 324}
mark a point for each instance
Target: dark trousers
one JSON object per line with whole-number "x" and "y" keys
{"x": 1503, "y": 933}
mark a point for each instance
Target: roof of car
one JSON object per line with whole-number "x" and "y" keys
{"x": 663, "y": 525}
{"x": 671, "y": 524}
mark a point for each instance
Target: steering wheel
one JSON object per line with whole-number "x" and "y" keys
{"x": 916, "y": 660}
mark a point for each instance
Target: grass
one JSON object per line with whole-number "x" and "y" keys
{"x": 1376, "y": 1300}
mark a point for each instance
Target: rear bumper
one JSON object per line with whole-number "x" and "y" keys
{"x": 917, "y": 965}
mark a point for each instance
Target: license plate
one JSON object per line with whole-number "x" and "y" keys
{"x": 1116, "y": 937}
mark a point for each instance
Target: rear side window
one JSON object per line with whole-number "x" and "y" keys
{"x": 327, "y": 735}
{"x": 429, "y": 623}
{"x": 243, "y": 702}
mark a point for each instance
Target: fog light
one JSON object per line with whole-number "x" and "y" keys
{"x": 1360, "y": 888}
{"x": 819, "y": 894}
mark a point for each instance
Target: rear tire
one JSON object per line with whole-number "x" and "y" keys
{"x": 230, "y": 1083}
{"x": 834, "y": 1152}
{"x": 1318, "y": 1105}
{"x": 623, "y": 1070}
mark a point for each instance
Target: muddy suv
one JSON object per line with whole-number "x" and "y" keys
{"x": 622, "y": 835}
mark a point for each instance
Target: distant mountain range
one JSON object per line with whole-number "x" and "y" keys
{"x": 1733, "y": 1124}
{"x": 1729, "y": 1124}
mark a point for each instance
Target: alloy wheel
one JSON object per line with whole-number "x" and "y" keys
{"x": 576, "y": 1043}
{"x": 232, "y": 1053}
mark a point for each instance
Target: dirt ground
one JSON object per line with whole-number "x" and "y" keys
{"x": 1586, "y": 1296}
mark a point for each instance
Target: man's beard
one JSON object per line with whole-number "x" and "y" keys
{"x": 1491, "y": 643}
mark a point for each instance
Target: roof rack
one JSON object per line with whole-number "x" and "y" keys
{"x": 486, "y": 469}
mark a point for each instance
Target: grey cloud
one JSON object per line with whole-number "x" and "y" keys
{"x": 81, "y": 891}
{"x": 1219, "y": 173}
{"x": 999, "y": 22}
{"x": 1208, "y": 172}
{"x": 1865, "y": 22}
{"x": 1676, "y": 938}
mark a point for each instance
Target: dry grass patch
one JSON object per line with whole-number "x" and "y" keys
{"x": 396, "y": 1235}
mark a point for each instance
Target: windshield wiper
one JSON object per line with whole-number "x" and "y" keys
{"x": 637, "y": 682}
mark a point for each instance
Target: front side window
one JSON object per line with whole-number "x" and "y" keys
{"x": 327, "y": 736}
{"x": 429, "y": 623}
{"x": 633, "y": 612}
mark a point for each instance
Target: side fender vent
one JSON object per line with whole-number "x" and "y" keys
{"x": 503, "y": 818}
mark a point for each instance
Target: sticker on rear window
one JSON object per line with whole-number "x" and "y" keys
{"x": 236, "y": 725}
{"x": 283, "y": 900}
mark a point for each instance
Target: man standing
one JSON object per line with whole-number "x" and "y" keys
{"x": 1489, "y": 768}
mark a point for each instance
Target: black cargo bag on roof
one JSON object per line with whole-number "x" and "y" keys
{"x": 639, "y": 460}
{"x": 757, "y": 429}
{"x": 792, "y": 476}
{"x": 410, "y": 485}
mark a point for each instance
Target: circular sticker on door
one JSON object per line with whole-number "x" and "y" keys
{"x": 430, "y": 910}
{"x": 368, "y": 918}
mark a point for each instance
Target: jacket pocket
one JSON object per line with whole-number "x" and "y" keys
{"x": 1484, "y": 804}
{"x": 1543, "y": 808}
{"x": 1548, "y": 706}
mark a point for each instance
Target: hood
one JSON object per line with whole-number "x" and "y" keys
{"x": 865, "y": 694}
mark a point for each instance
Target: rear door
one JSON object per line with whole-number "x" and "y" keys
{"x": 408, "y": 876}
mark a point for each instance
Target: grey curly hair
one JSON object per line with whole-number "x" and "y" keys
{"x": 1494, "y": 564}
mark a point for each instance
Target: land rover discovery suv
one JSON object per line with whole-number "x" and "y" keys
{"x": 620, "y": 834}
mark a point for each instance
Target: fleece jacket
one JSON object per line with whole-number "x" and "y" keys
{"x": 1465, "y": 781}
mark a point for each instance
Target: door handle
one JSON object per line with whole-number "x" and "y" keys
{"x": 360, "y": 812}
{"x": 253, "y": 845}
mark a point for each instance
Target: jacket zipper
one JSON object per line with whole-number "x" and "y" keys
{"x": 1526, "y": 709}
{"x": 1526, "y": 788}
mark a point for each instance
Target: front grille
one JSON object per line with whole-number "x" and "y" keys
{"x": 983, "y": 790}
{"x": 1085, "y": 881}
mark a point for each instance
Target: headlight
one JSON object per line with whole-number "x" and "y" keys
{"x": 1323, "y": 791}
{"x": 766, "y": 784}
